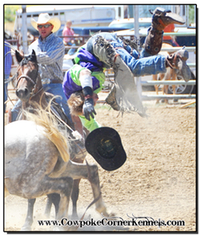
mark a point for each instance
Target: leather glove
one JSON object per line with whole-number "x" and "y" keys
{"x": 88, "y": 106}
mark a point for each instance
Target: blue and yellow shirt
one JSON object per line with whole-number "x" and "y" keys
{"x": 84, "y": 60}
{"x": 71, "y": 83}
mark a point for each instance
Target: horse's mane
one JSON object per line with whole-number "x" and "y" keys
{"x": 45, "y": 118}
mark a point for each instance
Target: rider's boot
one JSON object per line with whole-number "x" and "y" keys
{"x": 178, "y": 61}
{"x": 160, "y": 19}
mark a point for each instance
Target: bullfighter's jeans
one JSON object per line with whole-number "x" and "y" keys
{"x": 140, "y": 64}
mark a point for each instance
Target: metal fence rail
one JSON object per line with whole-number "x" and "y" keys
{"x": 169, "y": 82}
{"x": 166, "y": 96}
{"x": 173, "y": 49}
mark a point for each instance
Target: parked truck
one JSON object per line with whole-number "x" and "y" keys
{"x": 80, "y": 15}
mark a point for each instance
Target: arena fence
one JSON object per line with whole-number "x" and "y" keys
{"x": 170, "y": 82}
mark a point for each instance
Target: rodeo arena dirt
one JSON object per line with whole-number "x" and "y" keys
{"x": 156, "y": 183}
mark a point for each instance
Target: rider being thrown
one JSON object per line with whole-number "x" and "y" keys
{"x": 104, "y": 50}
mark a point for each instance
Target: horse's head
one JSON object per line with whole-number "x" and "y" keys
{"x": 27, "y": 76}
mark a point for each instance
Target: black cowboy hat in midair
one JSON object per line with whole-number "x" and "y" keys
{"x": 105, "y": 145}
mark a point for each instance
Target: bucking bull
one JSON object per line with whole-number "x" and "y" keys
{"x": 37, "y": 162}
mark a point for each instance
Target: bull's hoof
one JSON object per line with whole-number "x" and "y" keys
{"x": 103, "y": 212}
{"x": 26, "y": 227}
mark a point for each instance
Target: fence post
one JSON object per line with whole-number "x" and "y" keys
{"x": 136, "y": 28}
{"x": 24, "y": 29}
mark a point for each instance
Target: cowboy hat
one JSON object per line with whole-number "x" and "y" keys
{"x": 43, "y": 19}
{"x": 104, "y": 144}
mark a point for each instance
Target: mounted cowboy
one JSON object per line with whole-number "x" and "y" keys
{"x": 104, "y": 50}
{"x": 50, "y": 51}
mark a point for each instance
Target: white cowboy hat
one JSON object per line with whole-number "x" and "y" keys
{"x": 44, "y": 18}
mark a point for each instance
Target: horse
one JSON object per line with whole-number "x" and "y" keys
{"x": 29, "y": 89}
{"x": 169, "y": 75}
{"x": 28, "y": 86}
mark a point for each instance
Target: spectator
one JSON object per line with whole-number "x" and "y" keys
{"x": 7, "y": 67}
{"x": 168, "y": 38}
{"x": 68, "y": 31}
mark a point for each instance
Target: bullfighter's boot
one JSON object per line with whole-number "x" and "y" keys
{"x": 160, "y": 19}
{"x": 103, "y": 50}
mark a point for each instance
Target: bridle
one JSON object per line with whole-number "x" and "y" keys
{"x": 26, "y": 77}
{"x": 34, "y": 91}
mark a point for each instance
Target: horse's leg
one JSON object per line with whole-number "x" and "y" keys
{"x": 154, "y": 77}
{"x": 74, "y": 197}
{"x": 165, "y": 91}
{"x": 29, "y": 216}
{"x": 174, "y": 77}
{"x": 90, "y": 172}
{"x": 163, "y": 77}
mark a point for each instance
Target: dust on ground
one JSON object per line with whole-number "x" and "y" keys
{"x": 158, "y": 179}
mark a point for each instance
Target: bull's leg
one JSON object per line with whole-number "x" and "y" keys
{"x": 29, "y": 216}
{"x": 62, "y": 186}
{"x": 55, "y": 199}
{"x": 74, "y": 197}
{"x": 78, "y": 171}
{"x": 48, "y": 205}
{"x": 52, "y": 198}
{"x": 95, "y": 183}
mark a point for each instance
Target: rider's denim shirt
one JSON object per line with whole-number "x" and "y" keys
{"x": 50, "y": 53}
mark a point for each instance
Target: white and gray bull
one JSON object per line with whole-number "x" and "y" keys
{"x": 34, "y": 166}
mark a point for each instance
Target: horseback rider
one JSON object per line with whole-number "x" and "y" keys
{"x": 50, "y": 51}
{"x": 104, "y": 50}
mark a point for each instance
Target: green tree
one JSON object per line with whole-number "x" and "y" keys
{"x": 9, "y": 12}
